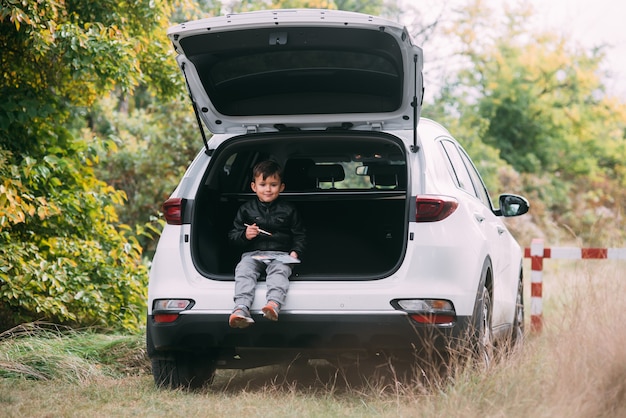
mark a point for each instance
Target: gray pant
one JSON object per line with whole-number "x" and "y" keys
{"x": 249, "y": 270}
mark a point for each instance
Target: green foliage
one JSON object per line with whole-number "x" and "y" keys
{"x": 64, "y": 256}
{"x": 147, "y": 152}
{"x": 362, "y": 6}
{"x": 541, "y": 103}
{"x": 469, "y": 128}
{"x": 79, "y": 164}
{"x": 186, "y": 10}
{"x": 39, "y": 351}
{"x": 374, "y": 7}
{"x": 150, "y": 142}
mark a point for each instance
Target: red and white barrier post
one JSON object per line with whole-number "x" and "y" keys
{"x": 536, "y": 285}
{"x": 537, "y": 253}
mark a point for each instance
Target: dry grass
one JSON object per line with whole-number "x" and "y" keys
{"x": 575, "y": 368}
{"x": 583, "y": 351}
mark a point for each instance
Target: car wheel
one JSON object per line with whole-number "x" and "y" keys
{"x": 180, "y": 369}
{"x": 183, "y": 370}
{"x": 483, "y": 334}
{"x": 517, "y": 333}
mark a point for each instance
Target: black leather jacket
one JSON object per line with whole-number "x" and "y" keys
{"x": 278, "y": 217}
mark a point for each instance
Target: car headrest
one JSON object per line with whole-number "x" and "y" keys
{"x": 327, "y": 173}
{"x": 296, "y": 175}
{"x": 387, "y": 175}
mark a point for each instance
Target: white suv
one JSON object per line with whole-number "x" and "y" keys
{"x": 405, "y": 251}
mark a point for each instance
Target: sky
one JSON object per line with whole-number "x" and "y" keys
{"x": 588, "y": 23}
{"x": 592, "y": 23}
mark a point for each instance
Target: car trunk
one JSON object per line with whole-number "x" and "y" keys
{"x": 304, "y": 68}
{"x": 350, "y": 189}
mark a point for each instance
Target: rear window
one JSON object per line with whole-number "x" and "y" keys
{"x": 356, "y": 175}
{"x": 355, "y": 162}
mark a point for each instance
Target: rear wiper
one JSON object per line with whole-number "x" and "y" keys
{"x": 281, "y": 127}
{"x": 345, "y": 126}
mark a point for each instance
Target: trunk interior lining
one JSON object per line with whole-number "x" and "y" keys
{"x": 349, "y": 235}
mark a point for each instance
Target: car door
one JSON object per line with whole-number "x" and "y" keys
{"x": 495, "y": 234}
{"x": 501, "y": 245}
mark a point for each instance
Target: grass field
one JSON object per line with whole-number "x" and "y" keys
{"x": 575, "y": 368}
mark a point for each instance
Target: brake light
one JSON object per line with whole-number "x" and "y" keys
{"x": 167, "y": 310}
{"x": 165, "y": 318}
{"x": 427, "y": 311}
{"x": 173, "y": 210}
{"x": 434, "y": 319}
{"x": 434, "y": 208}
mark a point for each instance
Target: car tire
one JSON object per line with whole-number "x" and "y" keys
{"x": 187, "y": 370}
{"x": 183, "y": 370}
{"x": 483, "y": 332}
{"x": 517, "y": 333}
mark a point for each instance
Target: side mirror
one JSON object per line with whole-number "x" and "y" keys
{"x": 512, "y": 205}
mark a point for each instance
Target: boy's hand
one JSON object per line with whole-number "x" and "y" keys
{"x": 293, "y": 254}
{"x": 252, "y": 231}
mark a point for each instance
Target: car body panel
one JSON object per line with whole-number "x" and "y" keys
{"x": 330, "y": 69}
{"x": 434, "y": 265}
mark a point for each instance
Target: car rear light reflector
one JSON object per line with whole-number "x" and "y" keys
{"x": 173, "y": 210}
{"x": 427, "y": 311}
{"x": 434, "y": 208}
{"x": 167, "y": 310}
{"x": 434, "y": 319}
{"x": 171, "y": 304}
{"x": 165, "y": 318}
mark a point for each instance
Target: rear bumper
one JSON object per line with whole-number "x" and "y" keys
{"x": 311, "y": 334}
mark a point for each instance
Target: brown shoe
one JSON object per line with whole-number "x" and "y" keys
{"x": 240, "y": 318}
{"x": 270, "y": 310}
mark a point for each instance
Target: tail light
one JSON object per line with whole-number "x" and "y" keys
{"x": 428, "y": 311}
{"x": 173, "y": 210}
{"x": 434, "y": 208}
{"x": 167, "y": 310}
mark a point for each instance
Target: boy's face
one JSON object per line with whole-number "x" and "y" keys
{"x": 267, "y": 189}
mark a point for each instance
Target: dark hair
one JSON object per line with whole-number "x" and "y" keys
{"x": 266, "y": 169}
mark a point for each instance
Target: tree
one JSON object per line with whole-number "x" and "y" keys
{"x": 151, "y": 141}
{"x": 541, "y": 102}
{"x": 63, "y": 254}
{"x": 148, "y": 150}
{"x": 375, "y": 7}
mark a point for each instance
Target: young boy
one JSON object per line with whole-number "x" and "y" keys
{"x": 264, "y": 228}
